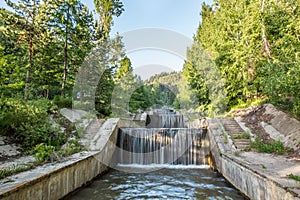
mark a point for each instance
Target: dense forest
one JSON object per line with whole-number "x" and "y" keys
{"x": 255, "y": 47}
{"x": 243, "y": 52}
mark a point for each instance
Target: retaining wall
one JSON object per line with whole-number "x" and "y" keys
{"x": 243, "y": 175}
{"x": 56, "y": 181}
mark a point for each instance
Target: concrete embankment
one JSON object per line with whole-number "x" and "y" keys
{"x": 257, "y": 176}
{"x": 54, "y": 181}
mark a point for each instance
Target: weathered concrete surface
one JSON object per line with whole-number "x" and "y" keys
{"x": 127, "y": 123}
{"x": 54, "y": 181}
{"x": 258, "y": 176}
{"x": 81, "y": 118}
{"x": 271, "y": 123}
{"x": 282, "y": 127}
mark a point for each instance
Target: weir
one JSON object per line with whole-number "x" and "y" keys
{"x": 164, "y": 141}
{"x": 165, "y": 119}
{"x": 162, "y": 146}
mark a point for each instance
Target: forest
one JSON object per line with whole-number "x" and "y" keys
{"x": 255, "y": 47}
{"x": 243, "y": 53}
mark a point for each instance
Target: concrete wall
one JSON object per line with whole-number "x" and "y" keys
{"x": 55, "y": 181}
{"x": 243, "y": 175}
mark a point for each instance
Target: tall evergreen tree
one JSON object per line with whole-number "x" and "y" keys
{"x": 29, "y": 14}
{"x": 106, "y": 9}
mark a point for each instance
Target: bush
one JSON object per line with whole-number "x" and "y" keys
{"x": 43, "y": 152}
{"x": 29, "y": 124}
{"x": 295, "y": 177}
{"x": 273, "y": 147}
{"x": 63, "y": 102}
{"x": 71, "y": 147}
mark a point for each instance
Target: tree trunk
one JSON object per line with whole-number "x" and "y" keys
{"x": 30, "y": 60}
{"x": 65, "y": 57}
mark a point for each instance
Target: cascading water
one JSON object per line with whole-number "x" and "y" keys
{"x": 162, "y": 146}
{"x": 165, "y": 120}
{"x": 160, "y": 163}
{"x": 164, "y": 141}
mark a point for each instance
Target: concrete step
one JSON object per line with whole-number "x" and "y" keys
{"x": 242, "y": 147}
{"x": 242, "y": 141}
{"x": 91, "y": 130}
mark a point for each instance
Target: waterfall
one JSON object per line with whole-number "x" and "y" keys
{"x": 162, "y": 146}
{"x": 166, "y": 140}
{"x": 165, "y": 120}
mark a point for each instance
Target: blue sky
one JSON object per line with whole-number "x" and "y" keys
{"x": 182, "y": 16}
{"x": 179, "y": 16}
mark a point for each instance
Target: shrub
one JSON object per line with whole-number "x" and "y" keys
{"x": 272, "y": 147}
{"x": 71, "y": 147}
{"x": 28, "y": 123}
{"x": 63, "y": 102}
{"x": 43, "y": 152}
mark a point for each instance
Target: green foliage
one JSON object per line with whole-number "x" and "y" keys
{"x": 225, "y": 138}
{"x": 295, "y": 177}
{"x": 29, "y": 123}
{"x": 62, "y": 102}
{"x": 165, "y": 90}
{"x": 242, "y": 136}
{"x": 14, "y": 170}
{"x": 236, "y": 153}
{"x": 103, "y": 94}
{"x": 43, "y": 152}
{"x": 141, "y": 99}
{"x": 106, "y": 9}
{"x": 272, "y": 147}
{"x": 72, "y": 146}
{"x": 205, "y": 80}
{"x": 255, "y": 46}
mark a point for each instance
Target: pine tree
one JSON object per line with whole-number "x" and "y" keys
{"x": 106, "y": 9}
{"x": 28, "y": 21}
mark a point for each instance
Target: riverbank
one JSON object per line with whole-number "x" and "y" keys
{"x": 258, "y": 175}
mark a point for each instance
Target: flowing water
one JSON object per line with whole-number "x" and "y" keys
{"x": 163, "y": 161}
{"x": 146, "y": 146}
{"x": 173, "y": 182}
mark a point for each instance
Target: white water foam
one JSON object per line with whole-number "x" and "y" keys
{"x": 168, "y": 166}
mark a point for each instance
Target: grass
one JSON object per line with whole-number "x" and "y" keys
{"x": 295, "y": 177}
{"x": 237, "y": 154}
{"x": 272, "y": 147}
{"x": 244, "y": 135}
{"x": 14, "y": 170}
{"x": 225, "y": 138}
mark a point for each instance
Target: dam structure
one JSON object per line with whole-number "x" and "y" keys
{"x": 165, "y": 140}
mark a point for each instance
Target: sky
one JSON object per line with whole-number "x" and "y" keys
{"x": 177, "y": 18}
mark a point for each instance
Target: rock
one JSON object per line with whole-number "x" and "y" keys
{"x": 9, "y": 150}
{"x": 2, "y": 138}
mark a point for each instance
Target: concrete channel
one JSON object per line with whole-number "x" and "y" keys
{"x": 243, "y": 171}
